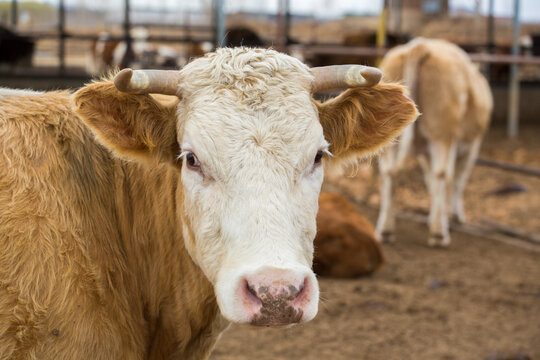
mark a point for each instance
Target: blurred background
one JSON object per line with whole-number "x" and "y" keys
{"x": 479, "y": 299}
{"x": 51, "y": 44}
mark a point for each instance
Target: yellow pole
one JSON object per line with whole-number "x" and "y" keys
{"x": 381, "y": 31}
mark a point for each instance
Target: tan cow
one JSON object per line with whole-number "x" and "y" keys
{"x": 107, "y": 53}
{"x": 345, "y": 245}
{"x": 137, "y": 229}
{"x": 455, "y": 101}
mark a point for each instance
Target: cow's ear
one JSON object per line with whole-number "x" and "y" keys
{"x": 133, "y": 126}
{"x": 362, "y": 120}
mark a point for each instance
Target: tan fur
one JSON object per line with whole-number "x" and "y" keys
{"x": 91, "y": 267}
{"x": 345, "y": 245}
{"x": 360, "y": 121}
{"x": 148, "y": 133}
{"x": 93, "y": 262}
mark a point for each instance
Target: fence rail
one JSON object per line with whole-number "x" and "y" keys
{"x": 314, "y": 50}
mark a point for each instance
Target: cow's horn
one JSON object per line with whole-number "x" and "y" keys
{"x": 344, "y": 76}
{"x": 148, "y": 81}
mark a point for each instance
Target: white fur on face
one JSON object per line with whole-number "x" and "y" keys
{"x": 252, "y": 124}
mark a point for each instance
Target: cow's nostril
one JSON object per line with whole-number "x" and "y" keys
{"x": 250, "y": 289}
{"x": 250, "y": 296}
{"x": 295, "y": 292}
{"x": 301, "y": 288}
{"x": 303, "y": 296}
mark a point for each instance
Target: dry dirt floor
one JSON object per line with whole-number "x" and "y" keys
{"x": 478, "y": 299}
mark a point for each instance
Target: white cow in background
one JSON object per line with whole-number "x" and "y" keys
{"x": 455, "y": 101}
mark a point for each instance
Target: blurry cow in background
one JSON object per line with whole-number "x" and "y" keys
{"x": 107, "y": 53}
{"x": 241, "y": 36}
{"x": 15, "y": 50}
{"x": 101, "y": 55}
{"x": 455, "y": 102}
{"x": 345, "y": 245}
{"x": 194, "y": 50}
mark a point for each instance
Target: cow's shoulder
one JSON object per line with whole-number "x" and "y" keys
{"x": 40, "y": 136}
{"x": 57, "y": 235}
{"x": 29, "y": 121}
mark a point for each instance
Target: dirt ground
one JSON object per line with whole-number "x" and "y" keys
{"x": 479, "y": 299}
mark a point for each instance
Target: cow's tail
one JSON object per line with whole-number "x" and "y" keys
{"x": 411, "y": 78}
{"x": 411, "y": 69}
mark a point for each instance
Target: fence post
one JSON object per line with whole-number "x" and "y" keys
{"x": 513, "y": 96}
{"x": 14, "y": 14}
{"x": 219, "y": 18}
{"x": 61, "y": 37}
{"x": 127, "y": 36}
{"x": 490, "y": 36}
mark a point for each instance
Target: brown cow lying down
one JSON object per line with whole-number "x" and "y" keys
{"x": 135, "y": 229}
{"x": 345, "y": 245}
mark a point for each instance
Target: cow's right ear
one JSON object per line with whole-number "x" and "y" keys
{"x": 133, "y": 126}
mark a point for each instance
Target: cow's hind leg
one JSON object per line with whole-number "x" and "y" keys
{"x": 443, "y": 157}
{"x": 386, "y": 223}
{"x": 467, "y": 154}
{"x": 390, "y": 163}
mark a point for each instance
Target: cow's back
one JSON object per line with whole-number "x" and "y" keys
{"x": 447, "y": 87}
{"x": 57, "y": 217}
{"x": 442, "y": 89}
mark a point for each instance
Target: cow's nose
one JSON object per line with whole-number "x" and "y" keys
{"x": 276, "y": 296}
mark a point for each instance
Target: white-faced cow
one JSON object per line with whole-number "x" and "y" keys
{"x": 455, "y": 101}
{"x": 137, "y": 228}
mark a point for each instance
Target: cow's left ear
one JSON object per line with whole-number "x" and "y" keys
{"x": 133, "y": 126}
{"x": 362, "y": 120}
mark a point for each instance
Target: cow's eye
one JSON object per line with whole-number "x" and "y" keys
{"x": 318, "y": 157}
{"x": 192, "y": 161}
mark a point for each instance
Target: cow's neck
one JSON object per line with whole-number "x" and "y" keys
{"x": 180, "y": 304}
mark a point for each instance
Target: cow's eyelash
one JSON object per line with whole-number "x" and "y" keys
{"x": 182, "y": 154}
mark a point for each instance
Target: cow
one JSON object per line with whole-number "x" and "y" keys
{"x": 15, "y": 50}
{"x": 107, "y": 53}
{"x": 456, "y": 103}
{"x": 345, "y": 244}
{"x": 242, "y": 36}
{"x": 194, "y": 50}
{"x": 139, "y": 227}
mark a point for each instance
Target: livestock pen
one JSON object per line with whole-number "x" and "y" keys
{"x": 478, "y": 299}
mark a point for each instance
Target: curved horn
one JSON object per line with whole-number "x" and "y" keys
{"x": 148, "y": 81}
{"x": 344, "y": 76}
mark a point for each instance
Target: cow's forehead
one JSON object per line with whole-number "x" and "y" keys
{"x": 229, "y": 133}
{"x": 253, "y": 76}
{"x": 250, "y": 101}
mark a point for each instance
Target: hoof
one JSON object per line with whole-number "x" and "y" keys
{"x": 387, "y": 237}
{"x": 439, "y": 240}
